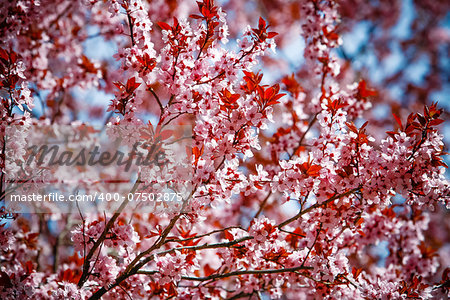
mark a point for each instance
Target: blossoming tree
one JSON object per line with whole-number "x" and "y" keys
{"x": 293, "y": 186}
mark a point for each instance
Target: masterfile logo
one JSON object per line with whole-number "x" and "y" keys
{"x": 105, "y": 165}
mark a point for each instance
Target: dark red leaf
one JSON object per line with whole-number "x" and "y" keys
{"x": 13, "y": 56}
{"x": 271, "y": 34}
{"x": 356, "y": 272}
{"x": 118, "y": 84}
{"x": 421, "y": 119}
{"x": 436, "y": 122}
{"x": 4, "y": 55}
{"x": 5, "y": 281}
{"x": 164, "y": 26}
{"x": 399, "y": 122}
{"x": 132, "y": 85}
{"x": 352, "y": 127}
{"x": 228, "y": 235}
{"x": 13, "y": 81}
{"x": 363, "y": 91}
{"x": 208, "y": 270}
{"x": 261, "y": 23}
{"x": 195, "y": 16}
{"x": 165, "y": 134}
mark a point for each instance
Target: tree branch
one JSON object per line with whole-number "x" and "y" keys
{"x": 302, "y": 212}
{"x": 85, "y": 274}
{"x": 235, "y": 273}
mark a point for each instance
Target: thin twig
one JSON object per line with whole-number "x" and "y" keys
{"x": 203, "y": 235}
{"x": 157, "y": 100}
{"x": 130, "y": 24}
{"x": 261, "y": 206}
{"x": 302, "y": 212}
{"x": 312, "y": 246}
{"x": 207, "y": 246}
